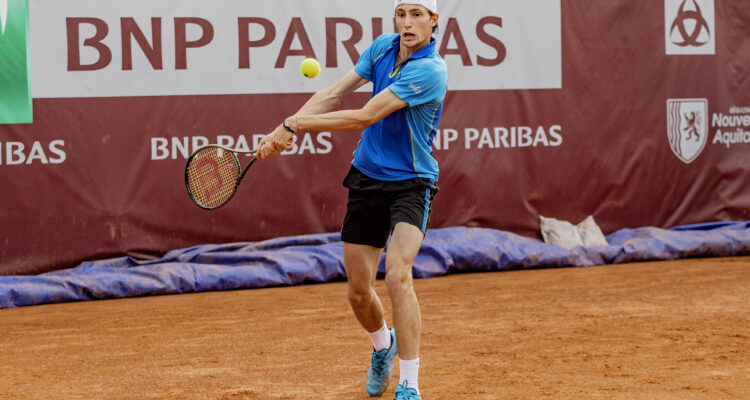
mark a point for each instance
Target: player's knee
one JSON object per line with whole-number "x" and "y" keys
{"x": 359, "y": 298}
{"x": 397, "y": 282}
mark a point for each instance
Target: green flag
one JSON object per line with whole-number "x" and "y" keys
{"x": 15, "y": 82}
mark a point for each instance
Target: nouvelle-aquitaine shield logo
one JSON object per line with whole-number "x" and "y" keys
{"x": 687, "y": 127}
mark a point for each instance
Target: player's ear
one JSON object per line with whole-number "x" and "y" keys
{"x": 434, "y": 18}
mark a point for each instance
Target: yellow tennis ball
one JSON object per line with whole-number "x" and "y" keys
{"x": 310, "y": 68}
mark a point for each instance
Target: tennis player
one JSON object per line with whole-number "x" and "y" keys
{"x": 392, "y": 181}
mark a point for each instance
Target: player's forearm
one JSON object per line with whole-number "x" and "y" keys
{"x": 321, "y": 102}
{"x": 346, "y": 120}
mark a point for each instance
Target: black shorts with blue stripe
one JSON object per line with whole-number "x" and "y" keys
{"x": 375, "y": 207}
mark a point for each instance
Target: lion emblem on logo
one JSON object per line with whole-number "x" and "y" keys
{"x": 687, "y": 127}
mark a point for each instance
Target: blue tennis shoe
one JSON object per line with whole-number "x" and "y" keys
{"x": 405, "y": 393}
{"x": 381, "y": 368}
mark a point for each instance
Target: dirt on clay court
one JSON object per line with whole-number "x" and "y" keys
{"x": 657, "y": 330}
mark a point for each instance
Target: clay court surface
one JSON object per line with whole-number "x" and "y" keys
{"x": 658, "y": 330}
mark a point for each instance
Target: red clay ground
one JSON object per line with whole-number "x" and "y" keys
{"x": 661, "y": 330}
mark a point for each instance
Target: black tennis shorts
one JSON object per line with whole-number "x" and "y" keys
{"x": 376, "y": 206}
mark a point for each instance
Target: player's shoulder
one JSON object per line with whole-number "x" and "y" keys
{"x": 433, "y": 66}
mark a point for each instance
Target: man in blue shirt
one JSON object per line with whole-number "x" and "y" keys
{"x": 392, "y": 181}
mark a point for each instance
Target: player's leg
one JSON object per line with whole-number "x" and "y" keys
{"x": 407, "y": 319}
{"x": 361, "y": 267}
{"x": 364, "y": 233}
{"x": 410, "y": 212}
{"x": 402, "y": 250}
{"x": 361, "y": 262}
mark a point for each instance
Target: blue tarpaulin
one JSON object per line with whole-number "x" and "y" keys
{"x": 319, "y": 258}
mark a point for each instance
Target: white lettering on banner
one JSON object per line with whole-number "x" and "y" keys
{"x": 18, "y": 153}
{"x": 88, "y": 48}
{"x": 738, "y": 119}
{"x": 731, "y": 121}
{"x": 739, "y": 136}
{"x": 500, "y": 137}
{"x": 739, "y": 110}
{"x": 163, "y": 148}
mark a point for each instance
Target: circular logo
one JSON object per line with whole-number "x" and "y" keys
{"x": 679, "y": 24}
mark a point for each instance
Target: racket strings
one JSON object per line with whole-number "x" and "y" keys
{"x": 212, "y": 176}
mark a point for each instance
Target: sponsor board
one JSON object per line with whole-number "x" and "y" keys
{"x": 87, "y": 48}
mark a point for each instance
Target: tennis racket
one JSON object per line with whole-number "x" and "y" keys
{"x": 213, "y": 173}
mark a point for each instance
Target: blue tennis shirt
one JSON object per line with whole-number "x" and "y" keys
{"x": 399, "y": 146}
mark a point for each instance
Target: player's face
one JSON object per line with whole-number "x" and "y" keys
{"x": 414, "y": 24}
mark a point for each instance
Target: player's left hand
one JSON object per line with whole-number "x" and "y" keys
{"x": 274, "y": 143}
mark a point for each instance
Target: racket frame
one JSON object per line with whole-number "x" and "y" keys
{"x": 234, "y": 153}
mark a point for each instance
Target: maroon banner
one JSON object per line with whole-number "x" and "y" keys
{"x": 635, "y": 137}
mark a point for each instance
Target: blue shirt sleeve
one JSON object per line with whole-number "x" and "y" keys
{"x": 366, "y": 64}
{"x": 421, "y": 82}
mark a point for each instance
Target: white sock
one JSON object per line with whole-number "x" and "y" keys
{"x": 410, "y": 373}
{"x": 381, "y": 339}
